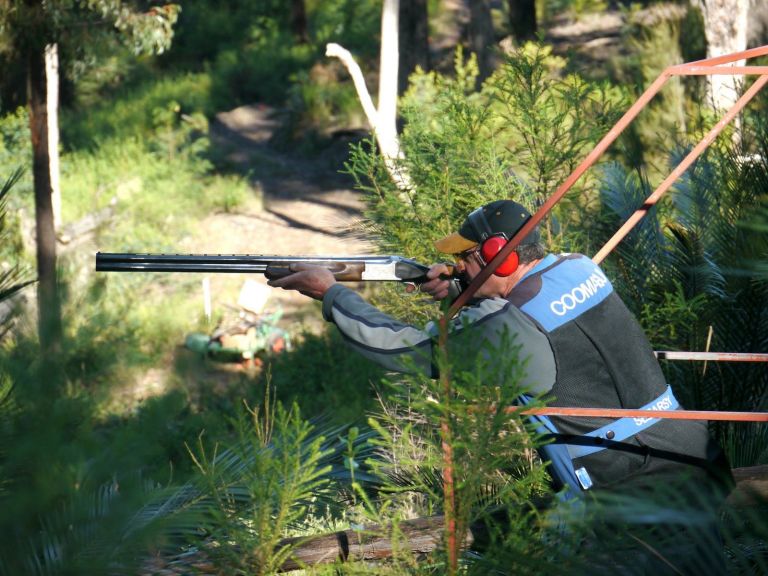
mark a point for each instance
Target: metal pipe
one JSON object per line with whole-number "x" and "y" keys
{"x": 721, "y": 71}
{"x": 628, "y": 413}
{"x": 712, "y": 356}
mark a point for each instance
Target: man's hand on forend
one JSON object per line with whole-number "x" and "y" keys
{"x": 313, "y": 281}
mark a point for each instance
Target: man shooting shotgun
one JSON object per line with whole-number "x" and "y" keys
{"x": 581, "y": 347}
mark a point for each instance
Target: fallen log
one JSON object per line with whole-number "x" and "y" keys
{"x": 423, "y": 535}
{"x": 71, "y": 233}
{"x": 751, "y": 486}
{"x": 420, "y": 536}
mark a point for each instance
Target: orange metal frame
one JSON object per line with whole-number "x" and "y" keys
{"x": 709, "y": 66}
{"x": 712, "y": 356}
{"x": 628, "y": 413}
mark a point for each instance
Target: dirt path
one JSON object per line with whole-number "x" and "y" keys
{"x": 299, "y": 206}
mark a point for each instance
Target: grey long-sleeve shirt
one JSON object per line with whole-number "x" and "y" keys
{"x": 488, "y": 324}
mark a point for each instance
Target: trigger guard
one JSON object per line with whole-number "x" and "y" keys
{"x": 455, "y": 287}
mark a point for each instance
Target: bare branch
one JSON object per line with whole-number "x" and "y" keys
{"x": 383, "y": 120}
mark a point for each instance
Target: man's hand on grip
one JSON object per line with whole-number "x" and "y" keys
{"x": 439, "y": 284}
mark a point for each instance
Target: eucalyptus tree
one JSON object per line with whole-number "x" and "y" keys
{"x": 725, "y": 28}
{"x": 29, "y": 29}
{"x": 414, "y": 40}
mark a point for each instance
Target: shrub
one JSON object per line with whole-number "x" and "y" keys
{"x": 16, "y": 149}
{"x": 318, "y": 103}
{"x": 132, "y": 114}
{"x": 260, "y": 71}
{"x": 691, "y": 260}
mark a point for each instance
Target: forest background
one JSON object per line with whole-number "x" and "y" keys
{"x": 121, "y": 451}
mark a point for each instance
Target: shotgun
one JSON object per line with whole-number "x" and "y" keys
{"x": 344, "y": 268}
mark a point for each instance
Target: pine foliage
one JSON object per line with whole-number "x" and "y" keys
{"x": 12, "y": 276}
{"x": 516, "y": 138}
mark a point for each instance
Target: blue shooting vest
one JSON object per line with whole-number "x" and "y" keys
{"x": 574, "y": 304}
{"x": 563, "y": 451}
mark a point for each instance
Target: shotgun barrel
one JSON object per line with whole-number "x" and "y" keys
{"x": 344, "y": 268}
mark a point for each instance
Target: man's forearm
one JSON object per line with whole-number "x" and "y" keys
{"x": 393, "y": 344}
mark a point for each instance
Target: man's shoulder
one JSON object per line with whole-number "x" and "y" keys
{"x": 486, "y": 309}
{"x": 566, "y": 264}
{"x": 569, "y": 286}
{"x": 482, "y": 307}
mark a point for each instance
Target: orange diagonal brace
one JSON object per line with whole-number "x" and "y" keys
{"x": 679, "y": 169}
{"x": 626, "y": 413}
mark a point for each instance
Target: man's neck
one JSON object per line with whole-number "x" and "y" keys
{"x": 521, "y": 271}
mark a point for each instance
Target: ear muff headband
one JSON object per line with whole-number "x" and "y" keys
{"x": 480, "y": 225}
{"x": 491, "y": 243}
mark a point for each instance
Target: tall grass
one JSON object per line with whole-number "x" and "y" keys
{"x": 158, "y": 197}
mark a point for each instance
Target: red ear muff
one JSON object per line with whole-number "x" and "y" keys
{"x": 493, "y": 246}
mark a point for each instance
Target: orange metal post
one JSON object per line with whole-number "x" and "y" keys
{"x": 625, "y": 413}
{"x": 712, "y": 356}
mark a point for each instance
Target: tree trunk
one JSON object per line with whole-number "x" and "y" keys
{"x": 52, "y": 85}
{"x": 299, "y": 21}
{"x": 725, "y": 27}
{"x": 414, "y": 40}
{"x": 751, "y": 487}
{"x": 382, "y": 119}
{"x": 49, "y": 314}
{"x": 482, "y": 39}
{"x": 419, "y": 536}
{"x": 522, "y": 19}
{"x": 388, "y": 65}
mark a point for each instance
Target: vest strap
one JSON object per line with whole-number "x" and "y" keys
{"x": 620, "y": 429}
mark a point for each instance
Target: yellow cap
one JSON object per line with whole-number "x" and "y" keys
{"x": 454, "y": 244}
